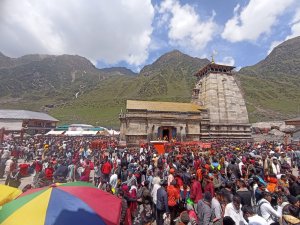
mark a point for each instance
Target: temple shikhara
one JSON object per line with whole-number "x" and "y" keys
{"x": 217, "y": 110}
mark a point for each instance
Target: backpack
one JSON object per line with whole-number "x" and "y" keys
{"x": 257, "y": 208}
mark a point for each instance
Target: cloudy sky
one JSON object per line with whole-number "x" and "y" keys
{"x": 134, "y": 33}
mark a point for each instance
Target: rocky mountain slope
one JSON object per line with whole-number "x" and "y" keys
{"x": 272, "y": 86}
{"x": 73, "y": 90}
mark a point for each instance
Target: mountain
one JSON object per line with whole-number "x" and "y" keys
{"x": 169, "y": 78}
{"x": 118, "y": 71}
{"x": 71, "y": 89}
{"x": 37, "y": 80}
{"x": 271, "y": 87}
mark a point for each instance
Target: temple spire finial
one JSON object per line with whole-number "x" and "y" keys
{"x": 212, "y": 58}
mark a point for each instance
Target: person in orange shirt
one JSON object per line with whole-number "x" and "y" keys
{"x": 173, "y": 198}
{"x": 199, "y": 174}
{"x": 272, "y": 183}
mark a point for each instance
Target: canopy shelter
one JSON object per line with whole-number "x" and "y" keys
{"x": 74, "y": 132}
{"x": 55, "y": 132}
{"x": 89, "y": 132}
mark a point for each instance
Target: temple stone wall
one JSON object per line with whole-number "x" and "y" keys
{"x": 220, "y": 94}
{"x": 143, "y": 126}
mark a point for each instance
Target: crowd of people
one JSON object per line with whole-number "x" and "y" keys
{"x": 230, "y": 183}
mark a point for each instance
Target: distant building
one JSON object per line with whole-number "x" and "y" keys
{"x": 296, "y": 133}
{"x": 23, "y": 121}
{"x": 217, "y": 111}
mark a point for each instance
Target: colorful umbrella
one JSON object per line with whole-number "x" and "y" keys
{"x": 74, "y": 203}
{"x": 8, "y": 193}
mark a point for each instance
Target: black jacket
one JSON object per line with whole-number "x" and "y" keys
{"x": 245, "y": 195}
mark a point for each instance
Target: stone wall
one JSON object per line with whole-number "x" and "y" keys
{"x": 136, "y": 125}
{"x": 220, "y": 94}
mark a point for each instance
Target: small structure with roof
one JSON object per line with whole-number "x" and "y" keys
{"x": 24, "y": 121}
{"x": 295, "y": 134}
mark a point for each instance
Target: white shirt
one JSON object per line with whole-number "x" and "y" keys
{"x": 256, "y": 220}
{"x": 154, "y": 193}
{"x": 113, "y": 180}
{"x": 216, "y": 207}
{"x": 7, "y": 165}
{"x": 236, "y": 215}
{"x": 267, "y": 210}
{"x": 275, "y": 168}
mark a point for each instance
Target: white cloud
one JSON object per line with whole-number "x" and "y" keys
{"x": 227, "y": 60}
{"x": 254, "y": 20}
{"x": 186, "y": 29}
{"x": 273, "y": 45}
{"x": 111, "y": 31}
{"x": 295, "y": 31}
{"x": 295, "y": 25}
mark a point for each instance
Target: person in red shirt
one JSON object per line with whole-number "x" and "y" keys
{"x": 106, "y": 170}
{"x": 49, "y": 172}
{"x": 209, "y": 186}
{"x": 38, "y": 166}
{"x": 173, "y": 198}
{"x": 197, "y": 163}
{"x": 85, "y": 175}
{"x": 196, "y": 190}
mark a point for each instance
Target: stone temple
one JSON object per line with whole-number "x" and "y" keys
{"x": 217, "y": 111}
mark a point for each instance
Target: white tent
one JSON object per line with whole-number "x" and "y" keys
{"x": 89, "y": 132}
{"x": 113, "y": 132}
{"x": 55, "y": 132}
{"x": 73, "y": 132}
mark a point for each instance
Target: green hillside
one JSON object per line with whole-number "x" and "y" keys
{"x": 71, "y": 89}
{"x": 168, "y": 79}
{"x": 272, "y": 86}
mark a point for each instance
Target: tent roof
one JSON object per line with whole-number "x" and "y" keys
{"x": 73, "y": 132}
{"x": 55, "y": 132}
{"x": 25, "y": 114}
{"x": 89, "y": 132}
{"x": 293, "y": 120}
{"x": 98, "y": 128}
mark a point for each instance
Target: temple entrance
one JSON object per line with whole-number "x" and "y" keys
{"x": 166, "y": 133}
